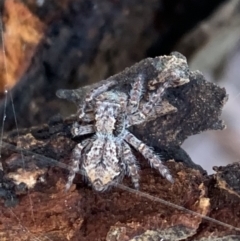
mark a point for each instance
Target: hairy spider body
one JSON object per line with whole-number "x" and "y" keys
{"x": 107, "y": 157}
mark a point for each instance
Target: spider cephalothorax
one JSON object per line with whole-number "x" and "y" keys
{"x": 106, "y": 157}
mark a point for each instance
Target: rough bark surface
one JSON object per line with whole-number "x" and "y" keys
{"x": 34, "y": 203}
{"x": 46, "y": 211}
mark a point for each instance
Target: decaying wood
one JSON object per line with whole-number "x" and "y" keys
{"x": 34, "y": 203}
{"x": 47, "y": 211}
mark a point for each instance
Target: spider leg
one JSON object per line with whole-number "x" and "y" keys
{"x": 165, "y": 108}
{"x": 131, "y": 164}
{"x": 154, "y": 159}
{"x": 146, "y": 110}
{"x": 76, "y": 159}
{"x": 79, "y": 130}
{"x": 155, "y": 98}
{"x": 135, "y": 94}
{"x": 152, "y": 107}
{"x": 94, "y": 93}
{"x": 88, "y": 117}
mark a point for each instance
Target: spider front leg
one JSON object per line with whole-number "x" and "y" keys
{"x": 79, "y": 130}
{"x": 93, "y": 94}
{"x": 76, "y": 161}
{"x": 154, "y": 160}
{"x": 131, "y": 164}
{"x": 135, "y": 94}
{"x": 149, "y": 109}
{"x": 153, "y": 107}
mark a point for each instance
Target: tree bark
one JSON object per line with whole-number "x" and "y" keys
{"x": 197, "y": 206}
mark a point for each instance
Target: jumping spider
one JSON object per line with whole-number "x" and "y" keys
{"x": 107, "y": 157}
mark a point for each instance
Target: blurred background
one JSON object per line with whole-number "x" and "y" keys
{"x": 49, "y": 45}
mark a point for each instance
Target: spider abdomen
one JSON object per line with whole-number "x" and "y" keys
{"x": 101, "y": 164}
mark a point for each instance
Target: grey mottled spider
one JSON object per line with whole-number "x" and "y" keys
{"x": 107, "y": 157}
